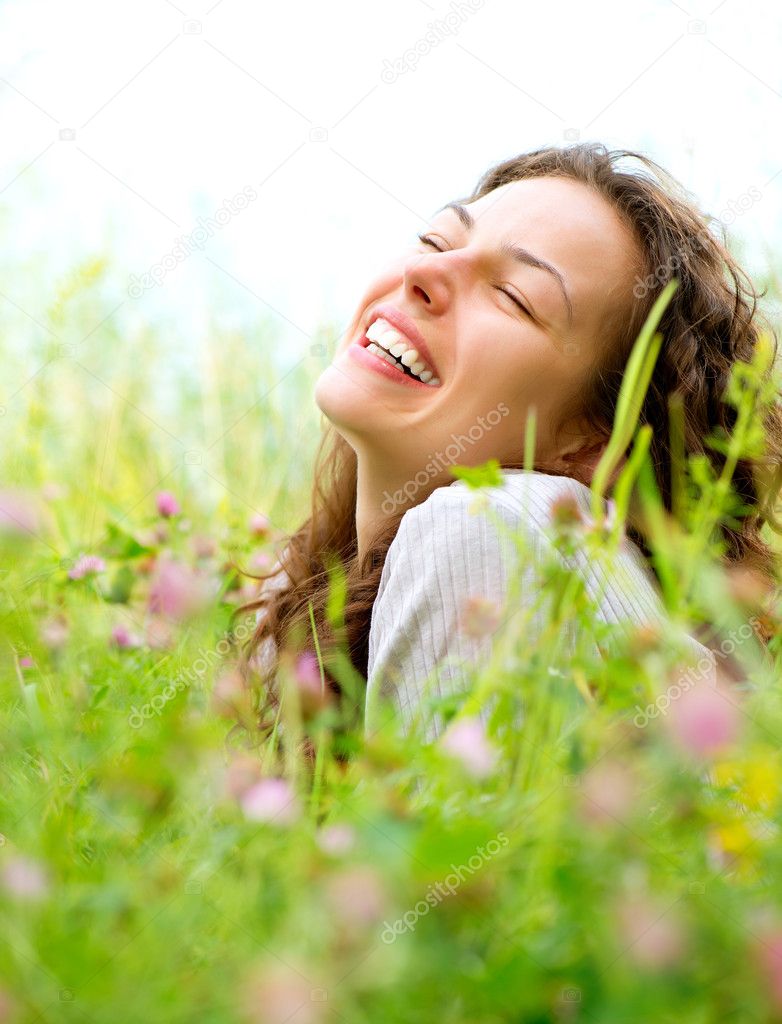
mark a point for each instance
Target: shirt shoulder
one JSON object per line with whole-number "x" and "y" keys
{"x": 458, "y": 537}
{"x": 524, "y": 500}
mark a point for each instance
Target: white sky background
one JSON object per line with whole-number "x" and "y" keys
{"x": 170, "y": 123}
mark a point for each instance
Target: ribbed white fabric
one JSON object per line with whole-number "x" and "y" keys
{"x": 443, "y": 553}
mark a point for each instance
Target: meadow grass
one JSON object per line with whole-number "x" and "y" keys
{"x": 605, "y": 848}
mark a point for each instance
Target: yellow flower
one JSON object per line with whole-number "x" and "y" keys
{"x": 735, "y": 846}
{"x": 733, "y": 838}
{"x": 727, "y": 773}
{"x": 762, "y": 782}
{"x": 757, "y": 781}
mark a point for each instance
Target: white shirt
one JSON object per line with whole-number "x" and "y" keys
{"x": 442, "y": 554}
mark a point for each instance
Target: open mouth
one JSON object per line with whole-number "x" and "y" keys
{"x": 387, "y": 343}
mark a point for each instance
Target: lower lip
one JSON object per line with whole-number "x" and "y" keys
{"x": 379, "y": 365}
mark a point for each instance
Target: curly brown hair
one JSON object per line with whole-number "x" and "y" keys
{"x": 711, "y": 323}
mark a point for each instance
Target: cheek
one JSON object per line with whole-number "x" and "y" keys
{"x": 511, "y": 371}
{"x": 502, "y": 359}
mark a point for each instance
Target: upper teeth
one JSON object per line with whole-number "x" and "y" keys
{"x": 391, "y": 343}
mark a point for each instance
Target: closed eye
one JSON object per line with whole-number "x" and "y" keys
{"x": 513, "y": 298}
{"x": 426, "y": 240}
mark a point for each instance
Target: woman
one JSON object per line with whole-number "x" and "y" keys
{"x": 525, "y": 296}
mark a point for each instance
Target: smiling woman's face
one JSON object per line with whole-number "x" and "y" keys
{"x": 459, "y": 294}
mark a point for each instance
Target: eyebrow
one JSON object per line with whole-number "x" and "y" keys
{"x": 516, "y": 252}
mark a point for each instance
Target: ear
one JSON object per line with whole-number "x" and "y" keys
{"x": 580, "y": 453}
{"x": 581, "y": 464}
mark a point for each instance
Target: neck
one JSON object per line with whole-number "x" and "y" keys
{"x": 382, "y": 490}
{"x": 374, "y": 499}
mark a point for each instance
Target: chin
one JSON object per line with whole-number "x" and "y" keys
{"x": 339, "y": 399}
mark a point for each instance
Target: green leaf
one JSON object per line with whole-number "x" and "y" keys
{"x": 487, "y": 475}
{"x": 337, "y": 595}
{"x": 635, "y": 384}
{"x": 121, "y": 544}
{"x": 121, "y": 585}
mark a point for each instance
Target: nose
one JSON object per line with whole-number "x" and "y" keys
{"x": 429, "y": 280}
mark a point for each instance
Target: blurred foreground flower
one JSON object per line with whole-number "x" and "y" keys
{"x": 608, "y": 793}
{"x": 259, "y": 525}
{"x": 357, "y": 896}
{"x": 86, "y": 565}
{"x": 768, "y": 953}
{"x": 277, "y": 992}
{"x": 231, "y": 696}
{"x": 24, "y": 879}
{"x": 8, "y": 1008}
{"x": 242, "y": 773}
{"x": 204, "y": 546}
{"x": 159, "y": 634}
{"x": 159, "y": 536}
{"x": 54, "y": 632}
{"x": 122, "y": 637}
{"x": 705, "y": 720}
{"x": 314, "y": 694}
{"x": 176, "y": 591}
{"x": 271, "y": 800}
{"x": 52, "y": 491}
{"x": 262, "y": 561}
{"x": 18, "y": 513}
{"x": 567, "y": 514}
{"x": 651, "y": 932}
{"x": 167, "y": 505}
{"x": 466, "y": 741}
{"x": 480, "y": 617}
{"x": 336, "y": 839}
